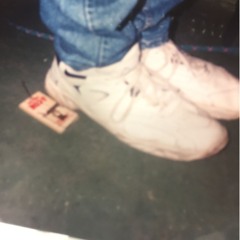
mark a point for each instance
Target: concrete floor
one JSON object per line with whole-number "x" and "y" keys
{"x": 87, "y": 184}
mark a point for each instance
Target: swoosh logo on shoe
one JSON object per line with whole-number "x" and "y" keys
{"x": 74, "y": 75}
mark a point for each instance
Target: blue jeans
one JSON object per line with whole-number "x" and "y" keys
{"x": 94, "y": 33}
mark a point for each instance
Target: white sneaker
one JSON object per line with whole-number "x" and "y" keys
{"x": 209, "y": 87}
{"x": 124, "y": 99}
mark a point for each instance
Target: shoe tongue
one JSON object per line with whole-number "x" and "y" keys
{"x": 158, "y": 57}
{"x": 155, "y": 59}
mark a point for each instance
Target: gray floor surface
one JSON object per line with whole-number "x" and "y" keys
{"x": 87, "y": 184}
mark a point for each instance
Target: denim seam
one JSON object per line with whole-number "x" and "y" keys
{"x": 88, "y": 14}
{"x": 148, "y": 18}
{"x": 148, "y": 22}
{"x": 101, "y": 51}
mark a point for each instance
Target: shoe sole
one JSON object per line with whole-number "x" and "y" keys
{"x": 183, "y": 157}
{"x": 214, "y": 113}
